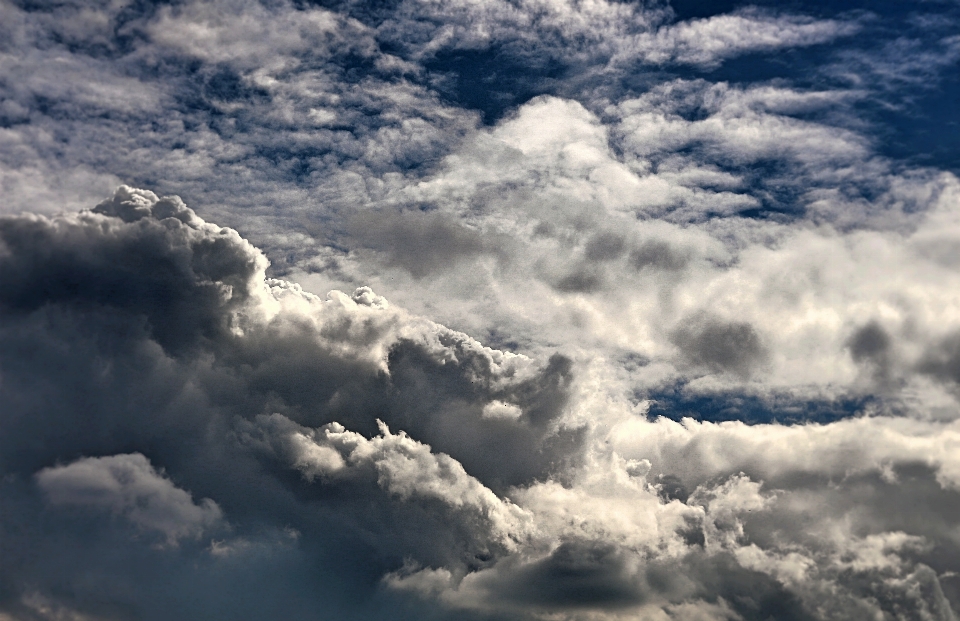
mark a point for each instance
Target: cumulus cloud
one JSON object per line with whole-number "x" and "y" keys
{"x": 403, "y": 468}
{"x": 128, "y": 485}
{"x": 510, "y": 487}
{"x": 165, "y": 385}
{"x": 580, "y": 237}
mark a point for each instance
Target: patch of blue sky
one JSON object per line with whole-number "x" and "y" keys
{"x": 677, "y": 403}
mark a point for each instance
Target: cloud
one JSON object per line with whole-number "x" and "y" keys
{"x": 182, "y": 377}
{"x": 738, "y": 126}
{"x": 574, "y": 231}
{"x": 404, "y": 468}
{"x": 903, "y": 60}
{"x": 943, "y": 362}
{"x": 128, "y": 485}
{"x": 733, "y": 347}
{"x": 786, "y": 571}
{"x": 510, "y": 487}
{"x": 251, "y": 35}
{"x": 709, "y": 41}
{"x": 421, "y": 242}
{"x": 559, "y": 239}
{"x": 219, "y": 266}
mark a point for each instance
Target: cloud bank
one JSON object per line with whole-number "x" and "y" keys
{"x": 515, "y": 488}
{"x": 512, "y": 310}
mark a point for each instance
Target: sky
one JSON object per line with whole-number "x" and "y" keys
{"x": 481, "y": 310}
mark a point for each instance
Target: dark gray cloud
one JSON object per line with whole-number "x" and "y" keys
{"x": 943, "y": 360}
{"x": 581, "y": 574}
{"x": 170, "y": 366}
{"x": 202, "y": 299}
{"x": 421, "y": 242}
{"x": 658, "y": 255}
{"x": 871, "y": 345}
{"x": 733, "y": 347}
{"x": 185, "y": 280}
{"x": 128, "y": 485}
{"x": 604, "y": 246}
{"x": 584, "y": 279}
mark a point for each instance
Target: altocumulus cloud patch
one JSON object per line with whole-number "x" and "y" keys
{"x": 635, "y": 311}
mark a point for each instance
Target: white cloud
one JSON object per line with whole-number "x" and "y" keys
{"x": 250, "y": 35}
{"x": 740, "y": 126}
{"x": 404, "y": 468}
{"x": 499, "y": 409}
{"x": 576, "y": 223}
{"x": 710, "y": 40}
{"x": 697, "y": 451}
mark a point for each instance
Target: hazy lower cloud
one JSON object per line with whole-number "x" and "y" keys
{"x": 479, "y": 310}
{"x": 128, "y": 485}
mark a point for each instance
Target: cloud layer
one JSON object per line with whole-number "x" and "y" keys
{"x": 525, "y": 489}
{"x": 635, "y": 311}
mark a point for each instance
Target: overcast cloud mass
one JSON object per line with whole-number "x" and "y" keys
{"x": 559, "y": 310}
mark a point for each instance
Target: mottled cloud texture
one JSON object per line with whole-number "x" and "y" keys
{"x": 527, "y": 310}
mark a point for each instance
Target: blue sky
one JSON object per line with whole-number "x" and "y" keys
{"x": 499, "y": 309}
